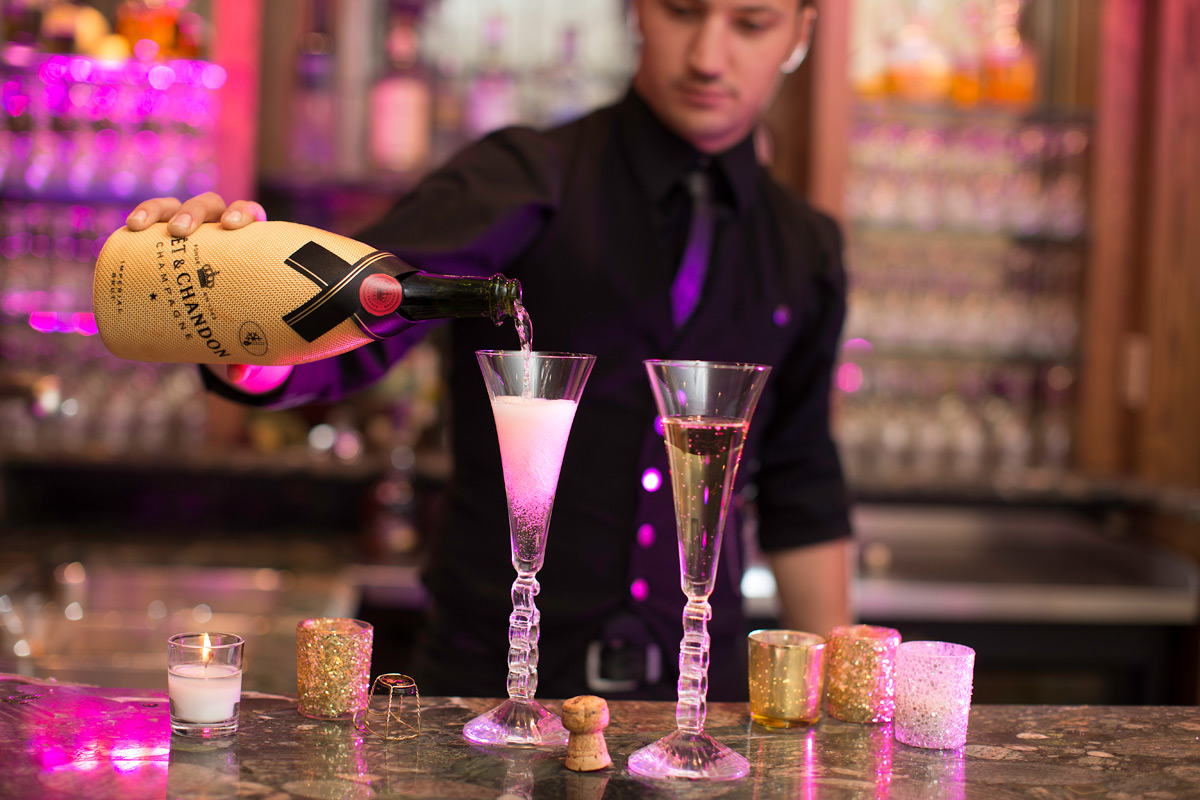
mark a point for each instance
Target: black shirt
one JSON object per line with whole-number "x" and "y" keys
{"x": 590, "y": 217}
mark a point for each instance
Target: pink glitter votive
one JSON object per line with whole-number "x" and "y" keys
{"x": 933, "y": 694}
{"x": 859, "y": 673}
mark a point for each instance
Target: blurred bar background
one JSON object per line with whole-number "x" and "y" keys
{"x": 1018, "y": 182}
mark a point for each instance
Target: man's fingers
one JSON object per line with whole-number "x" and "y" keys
{"x": 151, "y": 211}
{"x": 241, "y": 213}
{"x": 183, "y": 218}
{"x": 195, "y": 211}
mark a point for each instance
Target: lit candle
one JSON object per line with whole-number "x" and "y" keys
{"x": 203, "y": 693}
{"x": 204, "y": 680}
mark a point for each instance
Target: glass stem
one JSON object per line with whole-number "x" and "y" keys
{"x": 691, "y": 707}
{"x": 523, "y": 638}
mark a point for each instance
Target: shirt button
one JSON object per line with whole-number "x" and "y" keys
{"x": 651, "y": 480}
{"x": 645, "y": 535}
{"x": 640, "y": 590}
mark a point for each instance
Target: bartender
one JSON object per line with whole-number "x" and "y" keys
{"x": 646, "y": 229}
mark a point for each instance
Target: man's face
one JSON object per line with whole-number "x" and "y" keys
{"x": 710, "y": 67}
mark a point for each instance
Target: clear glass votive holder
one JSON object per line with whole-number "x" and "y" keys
{"x": 786, "y": 677}
{"x": 333, "y": 667}
{"x": 933, "y": 694}
{"x": 860, "y": 670}
{"x": 204, "y": 683}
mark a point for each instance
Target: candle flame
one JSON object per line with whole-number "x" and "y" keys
{"x": 206, "y": 650}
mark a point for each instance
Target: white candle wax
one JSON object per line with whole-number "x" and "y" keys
{"x": 202, "y": 693}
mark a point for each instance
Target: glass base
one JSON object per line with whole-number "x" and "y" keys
{"x": 695, "y": 756}
{"x": 205, "y": 730}
{"x": 519, "y": 723}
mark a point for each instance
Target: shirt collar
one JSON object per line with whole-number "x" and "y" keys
{"x": 661, "y": 158}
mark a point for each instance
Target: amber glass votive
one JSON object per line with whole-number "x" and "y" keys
{"x": 860, "y": 670}
{"x": 786, "y": 676}
{"x": 333, "y": 667}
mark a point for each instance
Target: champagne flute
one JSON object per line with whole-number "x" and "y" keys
{"x": 705, "y": 409}
{"x": 534, "y": 397}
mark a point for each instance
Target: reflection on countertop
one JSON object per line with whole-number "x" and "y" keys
{"x": 70, "y": 741}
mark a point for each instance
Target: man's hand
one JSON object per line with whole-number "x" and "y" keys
{"x": 183, "y": 218}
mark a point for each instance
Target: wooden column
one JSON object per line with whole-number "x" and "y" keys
{"x": 1167, "y": 433}
{"x": 829, "y": 156}
{"x": 810, "y": 119}
{"x": 1102, "y": 433}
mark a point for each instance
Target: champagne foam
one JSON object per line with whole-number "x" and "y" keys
{"x": 533, "y": 434}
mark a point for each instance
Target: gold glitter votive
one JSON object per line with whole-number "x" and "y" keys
{"x": 860, "y": 670}
{"x": 333, "y": 667}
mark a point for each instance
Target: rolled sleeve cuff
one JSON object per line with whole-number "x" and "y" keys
{"x": 818, "y": 514}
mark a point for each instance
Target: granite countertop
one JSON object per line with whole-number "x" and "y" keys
{"x": 65, "y": 741}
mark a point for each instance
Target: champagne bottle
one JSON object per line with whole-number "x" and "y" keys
{"x": 268, "y": 294}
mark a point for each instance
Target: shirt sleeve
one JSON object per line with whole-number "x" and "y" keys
{"x": 802, "y": 497}
{"x": 471, "y": 217}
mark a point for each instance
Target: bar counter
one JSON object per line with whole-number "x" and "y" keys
{"x": 70, "y": 741}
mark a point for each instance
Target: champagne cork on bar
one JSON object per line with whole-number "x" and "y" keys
{"x": 270, "y": 293}
{"x": 585, "y": 717}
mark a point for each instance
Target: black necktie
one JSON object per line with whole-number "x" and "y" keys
{"x": 689, "y": 280}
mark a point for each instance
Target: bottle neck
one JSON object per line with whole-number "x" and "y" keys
{"x": 428, "y": 296}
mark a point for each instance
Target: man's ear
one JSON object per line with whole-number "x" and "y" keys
{"x": 804, "y": 34}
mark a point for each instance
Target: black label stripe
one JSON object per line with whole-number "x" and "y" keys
{"x": 305, "y": 271}
{"x": 321, "y": 299}
{"x": 318, "y": 264}
{"x": 338, "y": 298}
{"x": 330, "y": 292}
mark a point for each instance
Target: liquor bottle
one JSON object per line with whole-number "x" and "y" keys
{"x": 563, "y": 92}
{"x": 492, "y": 94}
{"x": 271, "y": 293}
{"x": 1010, "y": 64}
{"x": 58, "y": 28}
{"x": 401, "y": 101}
{"x": 22, "y": 23}
{"x": 448, "y": 132}
{"x": 966, "y": 38}
{"x": 152, "y": 20}
{"x": 919, "y": 68}
{"x": 311, "y": 139}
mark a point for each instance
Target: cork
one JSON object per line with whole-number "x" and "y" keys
{"x": 585, "y": 717}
